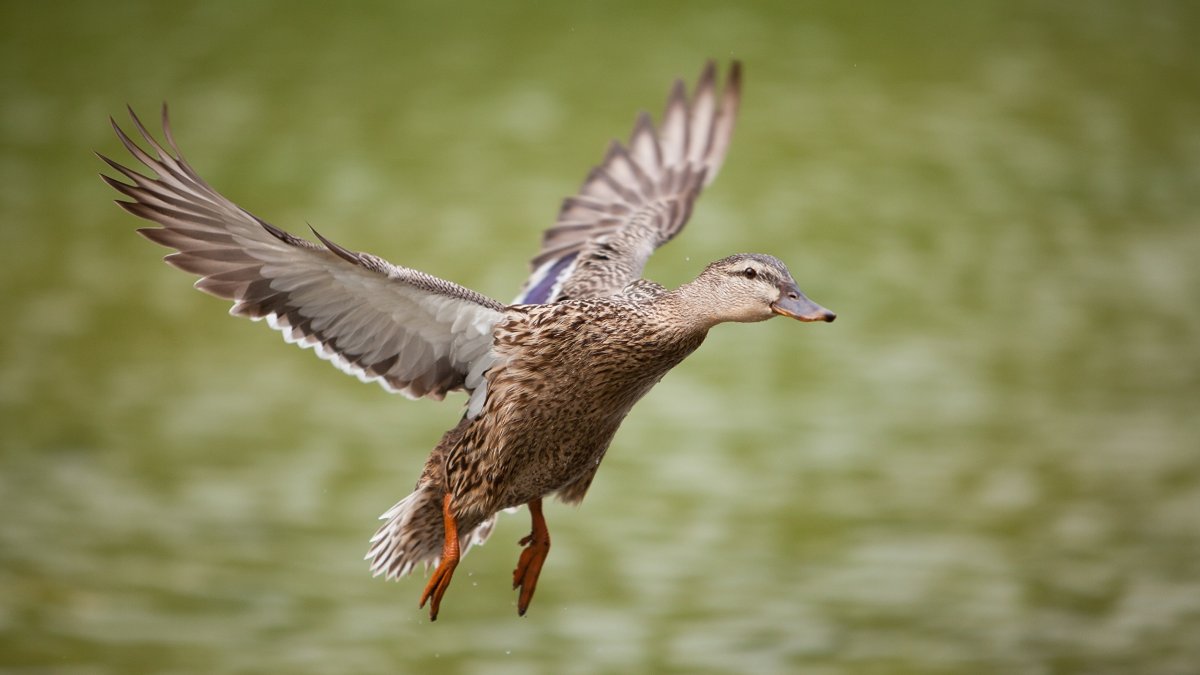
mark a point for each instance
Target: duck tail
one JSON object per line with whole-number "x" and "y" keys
{"x": 411, "y": 534}
{"x": 414, "y": 532}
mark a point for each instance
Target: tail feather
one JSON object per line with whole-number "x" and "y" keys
{"x": 414, "y": 533}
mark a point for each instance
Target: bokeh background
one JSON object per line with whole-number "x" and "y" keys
{"x": 990, "y": 463}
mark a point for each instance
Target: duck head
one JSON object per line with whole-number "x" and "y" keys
{"x": 751, "y": 287}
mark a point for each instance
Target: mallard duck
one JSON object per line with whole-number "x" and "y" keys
{"x": 549, "y": 378}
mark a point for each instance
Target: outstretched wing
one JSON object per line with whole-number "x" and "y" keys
{"x": 411, "y": 332}
{"x": 639, "y": 197}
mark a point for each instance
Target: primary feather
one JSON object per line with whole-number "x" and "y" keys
{"x": 411, "y": 332}
{"x": 639, "y": 197}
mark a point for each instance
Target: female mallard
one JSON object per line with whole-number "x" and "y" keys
{"x": 550, "y": 377}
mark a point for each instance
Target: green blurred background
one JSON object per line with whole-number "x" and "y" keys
{"x": 990, "y": 463}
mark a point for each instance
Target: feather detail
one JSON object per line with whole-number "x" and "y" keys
{"x": 411, "y": 332}
{"x": 639, "y": 197}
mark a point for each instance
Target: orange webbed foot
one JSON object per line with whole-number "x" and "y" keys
{"x": 437, "y": 586}
{"x": 440, "y": 581}
{"x": 529, "y": 566}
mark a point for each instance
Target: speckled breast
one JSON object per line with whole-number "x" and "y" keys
{"x": 573, "y": 372}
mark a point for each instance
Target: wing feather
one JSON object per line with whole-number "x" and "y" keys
{"x": 639, "y": 197}
{"x": 411, "y": 332}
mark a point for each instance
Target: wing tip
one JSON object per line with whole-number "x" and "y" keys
{"x": 735, "y": 70}
{"x": 733, "y": 82}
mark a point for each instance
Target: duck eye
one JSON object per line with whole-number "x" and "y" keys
{"x": 749, "y": 273}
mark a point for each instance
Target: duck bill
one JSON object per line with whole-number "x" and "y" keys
{"x": 794, "y": 304}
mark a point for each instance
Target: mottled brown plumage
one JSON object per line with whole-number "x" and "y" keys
{"x": 550, "y": 377}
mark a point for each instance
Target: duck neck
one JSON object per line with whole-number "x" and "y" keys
{"x": 690, "y": 308}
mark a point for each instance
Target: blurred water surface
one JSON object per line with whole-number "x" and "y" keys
{"x": 988, "y": 464}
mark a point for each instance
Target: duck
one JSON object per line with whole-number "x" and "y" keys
{"x": 548, "y": 378}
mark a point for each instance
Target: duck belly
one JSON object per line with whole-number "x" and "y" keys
{"x": 552, "y": 445}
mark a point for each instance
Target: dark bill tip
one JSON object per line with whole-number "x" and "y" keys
{"x": 796, "y": 305}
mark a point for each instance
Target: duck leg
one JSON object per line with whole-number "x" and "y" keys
{"x": 440, "y": 580}
{"x": 537, "y": 545}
